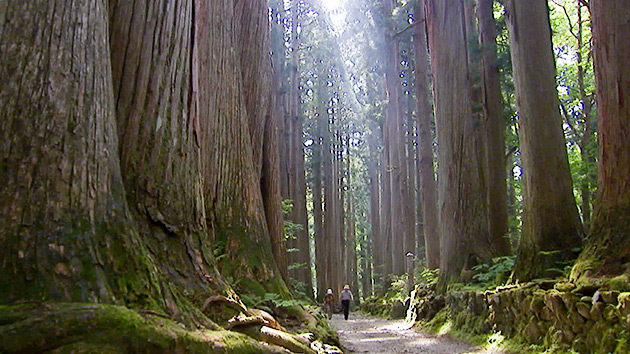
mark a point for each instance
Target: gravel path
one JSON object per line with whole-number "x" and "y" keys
{"x": 366, "y": 334}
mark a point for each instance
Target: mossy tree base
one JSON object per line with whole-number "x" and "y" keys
{"x": 93, "y": 328}
{"x": 607, "y": 251}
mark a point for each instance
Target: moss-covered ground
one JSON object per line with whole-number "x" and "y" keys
{"x": 94, "y": 328}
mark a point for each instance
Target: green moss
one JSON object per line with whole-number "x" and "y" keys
{"x": 83, "y": 328}
{"x": 619, "y": 283}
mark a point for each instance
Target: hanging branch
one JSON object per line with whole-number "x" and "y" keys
{"x": 407, "y": 28}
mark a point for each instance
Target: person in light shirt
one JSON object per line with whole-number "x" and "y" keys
{"x": 345, "y": 297}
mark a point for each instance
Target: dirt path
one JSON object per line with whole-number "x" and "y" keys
{"x": 366, "y": 334}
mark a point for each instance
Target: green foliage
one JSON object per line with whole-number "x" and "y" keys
{"x": 219, "y": 250}
{"x": 428, "y": 276}
{"x": 290, "y": 228}
{"x": 269, "y": 301}
{"x": 496, "y": 272}
{"x": 296, "y": 266}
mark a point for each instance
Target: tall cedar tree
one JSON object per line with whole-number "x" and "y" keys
{"x": 607, "y": 251}
{"x": 231, "y": 137}
{"x": 551, "y": 225}
{"x": 464, "y": 233}
{"x": 494, "y": 126}
{"x": 393, "y": 147}
{"x": 425, "y": 143}
{"x": 83, "y": 143}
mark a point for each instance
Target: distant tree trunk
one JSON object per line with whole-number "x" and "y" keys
{"x": 321, "y": 241}
{"x": 339, "y": 212}
{"x": 392, "y": 123}
{"x": 351, "y": 247}
{"x": 494, "y": 126}
{"x": 366, "y": 266}
{"x": 67, "y": 232}
{"x": 294, "y": 165}
{"x": 304, "y": 247}
{"x": 230, "y": 135}
{"x": 329, "y": 207}
{"x": 550, "y": 218}
{"x": 386, "y": 212}
{"x": 425, "y": 144}
{"x": 607, "y": 251}
{"x": 511, "y": 194}
{"x": 586, "y": 153}
{"x": 465, "y": 240}
{"x": 375, "y": 204}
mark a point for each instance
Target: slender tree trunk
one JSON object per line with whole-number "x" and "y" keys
{"x": 375, "y": 204}
{"x": 386, "y": 212}
{"x": 305, "y": 274}
{"x": 329, "y": 208}
{"x": 588, "y": 158}
{"x": 425, "y": 145}
{"x": 321, "y": 241}
{"x": 550, "y": 218}
{"x": 607, "y": 251}
{"x": 494, "y": 126}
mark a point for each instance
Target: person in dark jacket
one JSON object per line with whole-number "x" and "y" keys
{"x": 329, "y": 302}
{"x": 345, "y": 297}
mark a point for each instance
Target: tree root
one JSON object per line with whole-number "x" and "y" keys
{"x": 224, "y": 300}
{"x": 279, "y": 338}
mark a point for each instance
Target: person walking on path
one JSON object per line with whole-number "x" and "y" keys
{"x": 329, "y": 302}
{"x": 346, "y": 296}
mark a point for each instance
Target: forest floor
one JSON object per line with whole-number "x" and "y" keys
{"x": 368, "y": 334}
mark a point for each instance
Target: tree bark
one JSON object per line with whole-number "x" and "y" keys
{"x": 159, "y": 150}
{"x": 425, "y": 144}
{"x": 67, "y": 232}
{"x": 234, "y": 203}
{"x": 375, "y": 203}
{"x": 321, "y": 242}
{"x": 494, "y": 126}
{"x": 551, "y": 224}
{"x": 464, "y": 236}
{"x": 607, "y": 251}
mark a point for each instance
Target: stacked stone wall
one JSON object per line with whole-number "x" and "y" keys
{"x": 586, "y": 320}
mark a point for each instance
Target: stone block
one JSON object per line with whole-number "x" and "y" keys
{"x": 596, "y": 312}
{"x": 584, "y": 309}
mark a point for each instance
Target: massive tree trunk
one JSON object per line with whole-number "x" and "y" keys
{"x": 67, "y": 232}
{"x": 551, "y": 224}
{"x": 158, "y": 137}
{"x": 464, "y": 233}
{"x": 231, "y": 166}
{"x": 425, "y": 144}
{"x": 255, "y": 66}
{"x": 494, "y": 126}
{"x": 607, "y": 251}
{"x": 104, "y": 210}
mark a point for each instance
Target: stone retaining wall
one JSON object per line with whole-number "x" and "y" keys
{"x": 585, "y": 320}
